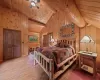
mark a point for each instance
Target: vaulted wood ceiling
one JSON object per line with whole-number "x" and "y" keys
{"x": 90, "y": 10}
{"x": 35, "y": 27}
{"x": 46, "y": 9}
{"x": 42, "y": 14}
{"x": 70, "y": 8}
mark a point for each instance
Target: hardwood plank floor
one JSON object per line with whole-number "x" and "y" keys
{"x": 23, "y": 69}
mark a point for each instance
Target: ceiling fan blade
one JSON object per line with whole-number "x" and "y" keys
{"x": 38, "y": 0}
{"x": 31, "y": 6}
{"x": 37, "y": 7}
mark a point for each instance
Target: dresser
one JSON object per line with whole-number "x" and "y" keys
{"x": 89, "y": 56}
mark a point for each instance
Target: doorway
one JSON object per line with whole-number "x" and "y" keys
{"x": 11, "y": 44}
{"x": 45, "y": 40}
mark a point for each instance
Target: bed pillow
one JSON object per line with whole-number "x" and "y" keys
{"x": 61, "y": 45}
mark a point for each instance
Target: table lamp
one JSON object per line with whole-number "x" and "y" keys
{"x": 87, "y": 39}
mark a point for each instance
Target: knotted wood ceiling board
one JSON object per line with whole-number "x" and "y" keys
{"x": 42, "y": 14}
{"x": 90, "y": 10}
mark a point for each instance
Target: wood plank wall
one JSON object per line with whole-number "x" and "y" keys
{"x": 56, "y": 22}
{"x": 13, "y": 20}
{"x": 93, "y": 47}
{"x": 54, "y": 25}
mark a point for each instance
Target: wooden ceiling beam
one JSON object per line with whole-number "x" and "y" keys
{"x": 38, "y": 22}
{"x": 90, "y": 10}
{"x": 34, "y": 31}
{"x": 74, "y": 14}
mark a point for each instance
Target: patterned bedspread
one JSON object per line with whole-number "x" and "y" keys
{"x": 58, "y": 54}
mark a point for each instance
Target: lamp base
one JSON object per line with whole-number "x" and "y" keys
{"x": 86, "y": 49}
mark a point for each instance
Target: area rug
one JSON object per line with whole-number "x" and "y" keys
{"x": 73, "y": 73}
{"x": 76, "y": 74}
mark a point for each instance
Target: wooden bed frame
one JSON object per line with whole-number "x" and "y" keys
{"x": 43, "y": 61}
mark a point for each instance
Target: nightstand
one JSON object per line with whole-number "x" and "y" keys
{"x": 89, "y": 56}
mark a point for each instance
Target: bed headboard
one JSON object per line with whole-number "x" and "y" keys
{"x": 67, "y": 41}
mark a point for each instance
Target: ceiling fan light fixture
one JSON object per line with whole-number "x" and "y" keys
{"x": 36, "y": 1}
{"x": 33, "y": 3}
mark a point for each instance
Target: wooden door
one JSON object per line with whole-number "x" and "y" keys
{"x": 8, "y": 43}
{"x": 45, "y": 40}
{"x": 16, "y": 44}
{"x": 12, "y": 44}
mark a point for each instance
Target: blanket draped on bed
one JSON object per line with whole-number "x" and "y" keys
{"x": 57, "y": 54}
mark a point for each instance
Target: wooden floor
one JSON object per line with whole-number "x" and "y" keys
{"x": 23, "y": 69}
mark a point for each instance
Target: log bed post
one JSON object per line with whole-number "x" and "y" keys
{"x": 34, "y": 58}
{"x": 34, "y": 62}
{"x": 51, "y": 70}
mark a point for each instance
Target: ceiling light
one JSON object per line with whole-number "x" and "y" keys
{"x": 36, "y": 1}
{"x": 33, "y": 3}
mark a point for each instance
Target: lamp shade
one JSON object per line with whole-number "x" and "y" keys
{"x": 91, "y": 40}
{"x": 33, "y": 3}
{"x": 86, "y": 39}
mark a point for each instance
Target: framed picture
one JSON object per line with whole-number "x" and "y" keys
{"x": 67, "y": 30}
{"x": 33, "y": 38}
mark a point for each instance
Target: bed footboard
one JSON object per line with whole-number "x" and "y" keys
{"x": 48, "y": 64}
{"x": 45, "y": 63}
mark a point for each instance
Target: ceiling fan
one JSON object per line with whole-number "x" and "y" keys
{"x": 34, "y": 3}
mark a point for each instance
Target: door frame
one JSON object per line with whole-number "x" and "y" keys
{"x": 20, "y": 40}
